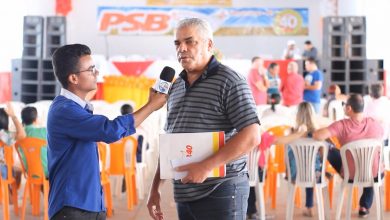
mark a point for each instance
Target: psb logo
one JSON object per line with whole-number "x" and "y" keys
{"x": 118, "y": 22}
{"x": 188, "y": 151}
{"x": 163, "y": 86}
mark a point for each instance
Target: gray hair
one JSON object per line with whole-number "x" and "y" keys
{"x": 202, "y": 25}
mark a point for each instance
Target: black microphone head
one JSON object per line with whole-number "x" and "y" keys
{"x": 167, "y": 74}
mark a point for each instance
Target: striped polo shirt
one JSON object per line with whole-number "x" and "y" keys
{"x": 219, "y": 100}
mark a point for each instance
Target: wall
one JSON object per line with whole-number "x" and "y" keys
{"x": 11, "y": 23}
{"x": 377, "y": 17}
{"x": 82, "y": 29}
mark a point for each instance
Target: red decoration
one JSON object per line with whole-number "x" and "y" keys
{"x": 5, "y": 87}
{"x": 63, "y": 7}
{"x": 132, "y": 68}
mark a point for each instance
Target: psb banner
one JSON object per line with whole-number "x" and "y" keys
{"x": 224, "y": 21}
{"x": 190, "y": 2}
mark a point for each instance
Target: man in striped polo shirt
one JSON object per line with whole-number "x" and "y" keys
{"x": 209, "y": 96}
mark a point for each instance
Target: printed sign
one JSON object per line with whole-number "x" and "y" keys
{"x": 224, "y": 21}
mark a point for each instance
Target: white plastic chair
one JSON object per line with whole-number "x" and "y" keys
{"x": 253, "y": 169}
{"x": 277, "y": 120}
{"x": 363, "y": 153}
{"x": 142, "y": 167}
{"x": 336, "y": 110}
{"x": 386, "y": 157}
{"x": 305, "y": 151}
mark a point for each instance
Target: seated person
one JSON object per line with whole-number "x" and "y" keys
{"x": 354, "y": 128}
{"x": 29, "y": 116}
{"x": 276, "y": 108}
{"x": 377, "y": 108}
{"x": 9, "y": 138}
{"x": 334, "y": 93}
{"x": 305, "y": 126}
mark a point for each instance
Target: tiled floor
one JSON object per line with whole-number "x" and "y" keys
{"x": 168, "y": 206}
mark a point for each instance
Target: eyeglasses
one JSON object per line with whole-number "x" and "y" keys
{"x": 91, "y": 69}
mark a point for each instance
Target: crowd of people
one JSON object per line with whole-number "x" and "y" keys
{"x": 208, "y": 96}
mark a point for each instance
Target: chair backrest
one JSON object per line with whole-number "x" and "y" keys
{"x": 6, "y": 153}
{"x": 366, "y": 155}
{"x": 122, "y": 155}
{"x": 277, "y": 120}
{"x": 305, "y": 151}
{"x": 280, "y": 130}
{"x": 386, "y": 157}
{"x": 336, "y": 110}
{"x": 277, "y": 151}
{"x": 30, "y": 153}
{"x": 253, "y": 165}
{"x": 103, "y": 155}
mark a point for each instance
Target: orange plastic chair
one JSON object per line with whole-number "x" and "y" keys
{"x": 276, "y": 164}
{"x": 387, "y": 190}
{"x": 122, "y": 162}
{"x": 104, "y": 177}
{"x": 29, "y": 150}
{"x": 7, "y": 181}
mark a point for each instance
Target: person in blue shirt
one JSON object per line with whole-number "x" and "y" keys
{"x": 273, "y": 79}
{"x": 313, "y": 85}
{"x": 72, "y": 133}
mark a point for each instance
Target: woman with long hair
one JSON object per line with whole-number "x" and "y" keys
{"x": 305, "y": 126}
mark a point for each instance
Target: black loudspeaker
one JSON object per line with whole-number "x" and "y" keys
{"x": 33, "y": 36}
{"x": 16, "y": 79}
{"x": 375, "y": 70}
{"x": 55, "y": 34}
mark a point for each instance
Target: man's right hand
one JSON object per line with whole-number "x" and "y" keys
{"x": 153, "y": 205}
{"x": 156, "y": 100}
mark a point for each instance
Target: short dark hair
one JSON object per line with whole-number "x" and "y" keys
{"x": 376, "y": 91}
{"x": 126, "y": 109}
{"x": 29, "y": 115}
{"x": 308, "y": 42}
{"x": 275, "y": 99}
{"x": 272, "y": 65}
{"x": 311, "y": 60}
{"x": 3, "y": 119}
{"x": 356, "y": 102}
{"x": 255, "y": 58}
{"x": 66, "y": 61}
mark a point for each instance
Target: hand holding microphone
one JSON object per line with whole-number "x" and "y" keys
{"x": 158, "y": 94}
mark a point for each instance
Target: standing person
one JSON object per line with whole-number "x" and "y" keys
{"x": 293, "y": 85}
{"x": 292, "y": 52}
{"x": 75, "y": 189}
{"x": 310, "y": 52}
{"x": 354, "y": 128}
{"x": 273, "y": 79}
{"x": 209, "y": 96}
{"x": 258, "y": 82}
{"x": 313, "y": 85}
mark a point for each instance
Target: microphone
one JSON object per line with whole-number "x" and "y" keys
{"x": 164, "y": 83}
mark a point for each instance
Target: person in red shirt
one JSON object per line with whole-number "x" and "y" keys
{"x": 258, "y": 82}
{"x": 292, "y": 86}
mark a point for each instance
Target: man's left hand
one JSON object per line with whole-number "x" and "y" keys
{"x": 197, "y": 172}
